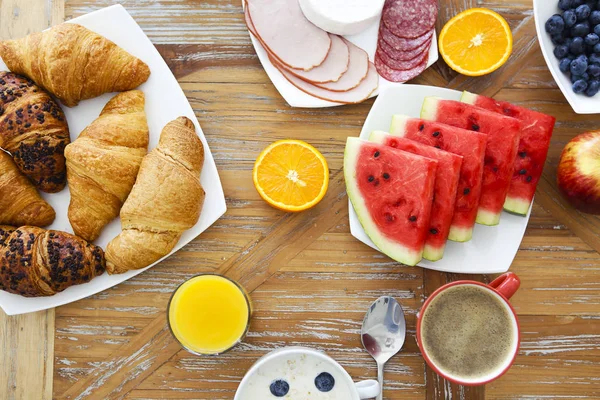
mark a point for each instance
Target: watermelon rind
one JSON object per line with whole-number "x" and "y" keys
{"x": 460, "y": 235}
{"x": 468, "y": 97}
{"x": 390, "y": 248}
{"x": 517, "y": 206}
{"x": 398, "y": 125}
{"x": 433, "y": 254}
{"x": 487, "y": 218}
{"x": 429, "y": 108}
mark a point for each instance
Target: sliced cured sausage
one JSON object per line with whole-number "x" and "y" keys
{"x": 395, "y": 75}
{"x": 356, "y": 95}
{"x": 357, "y": 71}
{"x": 402, "y": 65}
{"x": 334, "y": 66}
{"x": 284, "y": 30}
{"x": 402, "y": 44}
{"x": 409, "y": 18}
{"x": 404, "y": 55}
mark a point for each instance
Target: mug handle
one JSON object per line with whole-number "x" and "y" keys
{"x": 368, "y": 389}
{"x": 506, "y": 284}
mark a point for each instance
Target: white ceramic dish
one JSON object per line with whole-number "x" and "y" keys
{"x": 165, "y": 101}
{"x": 492, "y": 248}
{"x": 367, "y": 40}
{"x": 581, "y": 104}
{"x": 298, "y": 366}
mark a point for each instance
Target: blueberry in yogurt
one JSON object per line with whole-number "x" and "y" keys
{"x": 324, "y": 382}
{"x": 279, "y": 388}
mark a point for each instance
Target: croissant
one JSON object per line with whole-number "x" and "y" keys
{"x": 74, "y": 63}
{"x": 103, "y": 162}
{"x": 36, "y": 262}
{"x": 165, "y": 201}
{"x": 20, "y": 203}
{"x": 34, "y": 130}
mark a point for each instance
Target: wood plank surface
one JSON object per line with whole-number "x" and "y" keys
{"x": 27, "y": 341}
{"x": 309, "y": 279}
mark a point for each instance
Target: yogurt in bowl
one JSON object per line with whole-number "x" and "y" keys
{"x": 299, "y": 373}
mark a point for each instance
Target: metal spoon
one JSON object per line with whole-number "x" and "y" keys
{"x": 383, "y": 332}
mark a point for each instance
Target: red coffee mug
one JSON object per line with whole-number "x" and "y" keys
{"x": 504, "y": 287}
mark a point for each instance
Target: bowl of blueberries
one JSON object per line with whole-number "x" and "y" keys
{"x": 569, "y": 35}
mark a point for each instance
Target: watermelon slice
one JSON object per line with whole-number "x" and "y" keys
{"x": 533, "y": 149}
{"x": 469, "y": 145}
{"x": 444, "y": 189}
{"x": 392, "y": 193}
{"x": 501, "y": 149}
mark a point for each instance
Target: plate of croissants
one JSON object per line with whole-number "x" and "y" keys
{"x": 104, "y": 169}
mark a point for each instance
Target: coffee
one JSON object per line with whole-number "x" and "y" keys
{"x": 468, "y": 333}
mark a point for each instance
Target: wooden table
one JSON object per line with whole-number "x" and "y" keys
{"x": 309, "y": 279}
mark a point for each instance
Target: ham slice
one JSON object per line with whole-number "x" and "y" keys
{"x": 356, "y": 95}
{"x": 357, "y": 71}
{"x": 283, "y": 29}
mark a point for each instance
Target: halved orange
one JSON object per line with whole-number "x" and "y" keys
{"x": 291, "y": 175}
{"x": 476, "y": 42}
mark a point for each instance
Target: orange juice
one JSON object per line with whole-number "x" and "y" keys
{"x": 209, "y": 314}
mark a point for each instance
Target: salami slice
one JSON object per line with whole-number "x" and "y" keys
{"x": 409, "y": 18}
{"x": 357, "y": 71}
{"x": 352, "y": 96}
{"x": 403, "y": 55}
{"x": 402, "y": 44}
{"x": 402, "y": 65}
{"x": 284, "y": 30}
{"x": 395, "y": 75}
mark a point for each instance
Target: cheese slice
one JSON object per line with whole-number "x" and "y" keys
{"x": 342, "y": 17}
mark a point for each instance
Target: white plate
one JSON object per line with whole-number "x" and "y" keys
{"x": 492, "y": 248}
{"x": 581, "y": 104}
{"x": 165, "y": 101}
{"x": 366, "y": 40}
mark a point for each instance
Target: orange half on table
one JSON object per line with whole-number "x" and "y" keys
{"x": 476, "y": 42}
{"x": 291, "y": 175}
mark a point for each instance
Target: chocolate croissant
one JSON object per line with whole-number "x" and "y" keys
{"x": 36, "y": 262}
{"x": 34, "y": 130}
{"x": 74, "y": 63}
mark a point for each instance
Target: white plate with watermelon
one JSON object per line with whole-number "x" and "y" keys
{"x": 491, "y": 248}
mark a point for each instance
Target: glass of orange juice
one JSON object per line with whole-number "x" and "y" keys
{"x": 209, "y": 314}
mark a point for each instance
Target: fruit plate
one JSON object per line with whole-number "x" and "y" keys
{"x": 367, "y": 40}
{"x": 165, "y": 101}
{"x": 581, "y": 104}
{"x": 492, "y": 248}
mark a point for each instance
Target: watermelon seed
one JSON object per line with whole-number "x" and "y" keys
{"x": 475, "y": 127}
{"x": 389, "y": 217}
{"x": 522, "y": 154}
{"x": 399, "y": 203}
{"x": 437, "y": 146}
{"x": 371, "y": 178}
{"x": 376, "y": 154}
{"x": 466, "y": 191}
{"x": 421, "y": 127}
{"x": 495, "y": 169}
{"x": 529, "y": 178}
{"x": 522, "y": 172}
{"x": 436, "y": 133}
{"x": 376, "y": 182}
{"x": 412, "y": 218}
{"x": 433, "y": 231}
{"x": 386, "y": 175}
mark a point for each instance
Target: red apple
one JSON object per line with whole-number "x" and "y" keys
{"x": 579, "y": 172}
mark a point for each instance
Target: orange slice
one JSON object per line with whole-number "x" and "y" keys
{"x": 476, "y": 42}
{"x": 291, "y": 175}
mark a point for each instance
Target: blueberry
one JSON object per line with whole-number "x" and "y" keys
{"x": 557, "y": 38}
{"x": 561, "y": 51}
{"x": 576, "y": 3}
{"x": 597, "y": 29}
{"x": 591, "y": 39}
{"x": 581, "y": 29}
{"x": 594, "y": 17}
{"x": 324, "y": 382}
{"x": 593, "y": 88}
{"x": 584, "y": 77}
{"x": 594, "y": 58}
{"x": 596, "y": 48}
{"x": 279, "y": 388}
{"x": 576, "y": 46}
{"x": 578, "y": 66}
{"x": 564, "y": 65}
{"x": 570, "y": 18}
{"x": 580, "y": 86}
{"x": 555, "y": 24}
{"x": 594, "y": 70}
{"x": 583, "y": 12}
{"x": 565, "y": 4}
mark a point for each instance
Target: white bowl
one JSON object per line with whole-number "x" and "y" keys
{"x": 581, "y": 104}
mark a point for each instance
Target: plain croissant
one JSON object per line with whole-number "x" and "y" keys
{"x": 165, "y": 201}
{"x": 20, "y": 202}
{"x": 36, "y": 262}
{"x": 34, "y": 130}
{"x": 103, "y": 162}
{"x": 74, "y": 63}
